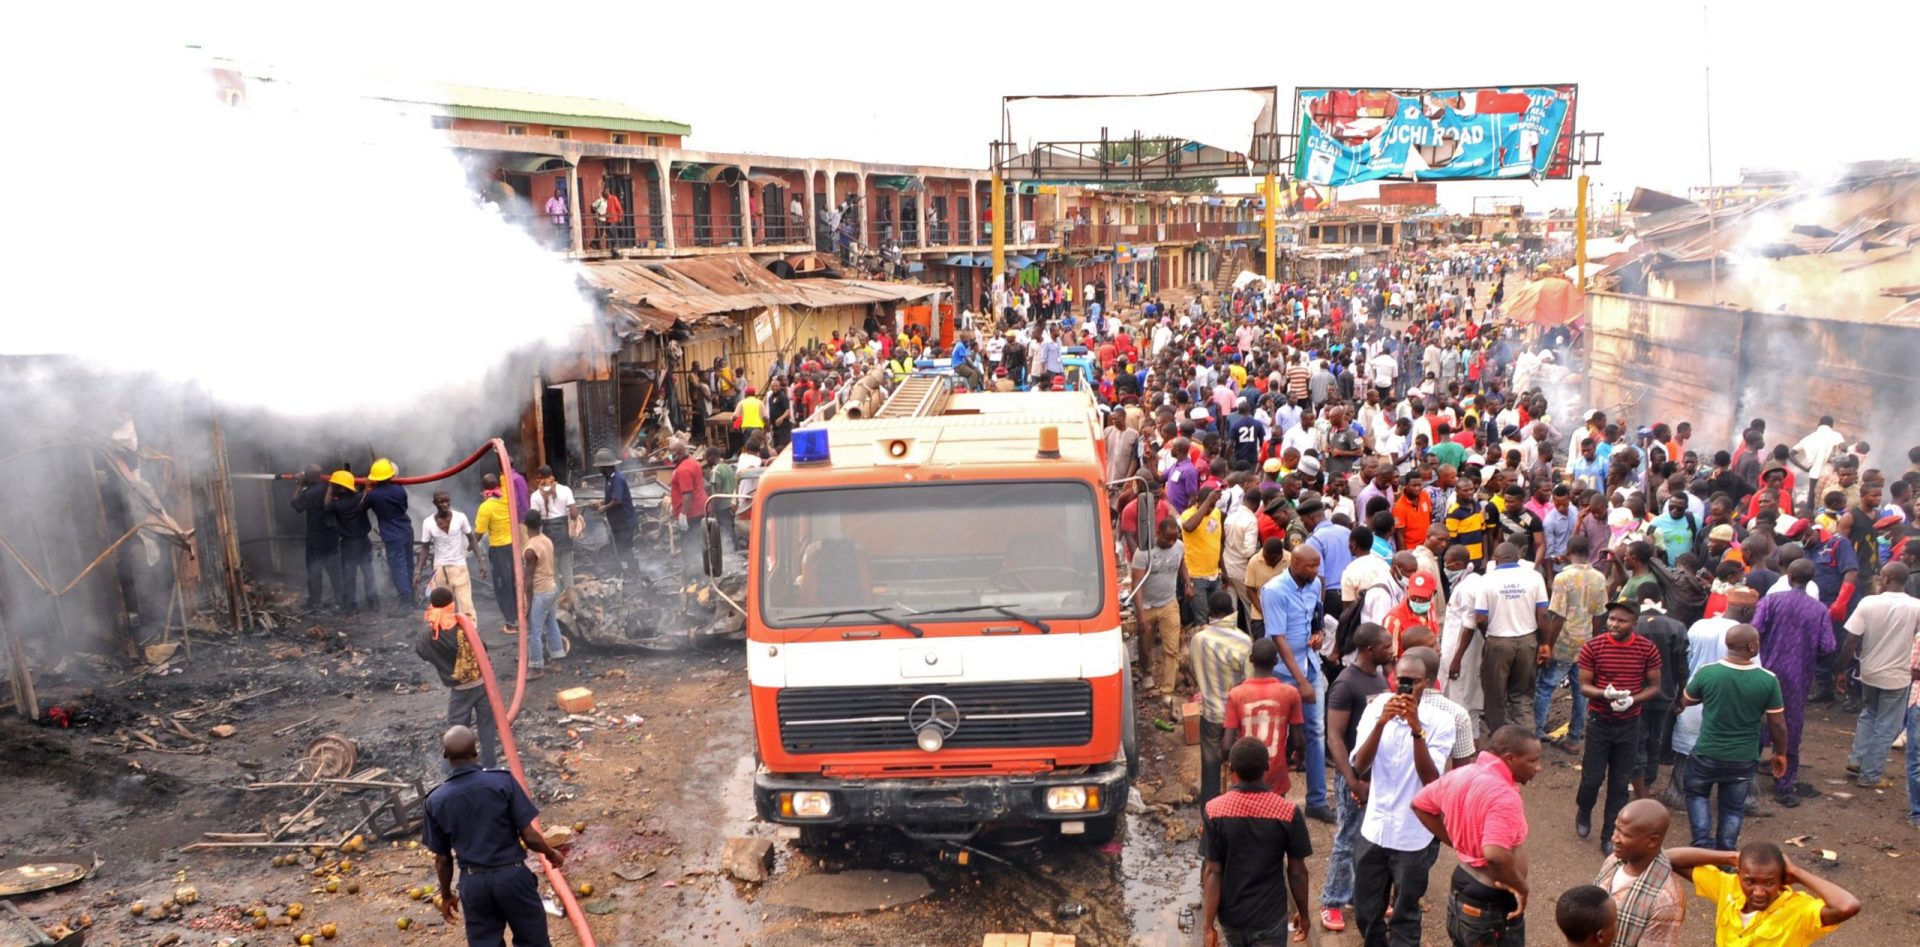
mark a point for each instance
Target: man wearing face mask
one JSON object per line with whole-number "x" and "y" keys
{"x": 1416, "y": 607}
{"x": 554, "y": 502}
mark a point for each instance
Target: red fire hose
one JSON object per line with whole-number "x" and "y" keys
{"x": 503, "y": 714}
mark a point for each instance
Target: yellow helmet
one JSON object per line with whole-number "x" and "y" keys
{"x": 341, "y": 479}
{"x": 383, "y": 470}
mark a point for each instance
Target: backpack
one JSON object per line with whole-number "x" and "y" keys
{"x": 1350, "y": 622}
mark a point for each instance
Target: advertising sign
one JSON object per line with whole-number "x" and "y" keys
{"x": 1409, "y": 195}
{"x": 1350, "y": 136}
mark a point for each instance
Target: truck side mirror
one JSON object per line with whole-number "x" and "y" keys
{"x": 711, "y": 535}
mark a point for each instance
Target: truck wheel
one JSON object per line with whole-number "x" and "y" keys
{"x": 1100, "y": 831}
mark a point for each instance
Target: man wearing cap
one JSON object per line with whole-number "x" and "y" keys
{"x": 1415, "y": 609}
{"x": 388, "y": 500}
{"x": 623, "y": 521}
{"x": 348, "y": 509}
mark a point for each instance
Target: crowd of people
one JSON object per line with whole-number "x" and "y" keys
{"x": 1383, "y": 538}
{"x": 1372, "y": 529}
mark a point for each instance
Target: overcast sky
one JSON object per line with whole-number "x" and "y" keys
{"x": 1800, "y": 85}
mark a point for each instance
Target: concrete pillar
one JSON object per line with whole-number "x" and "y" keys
{"x": 863, "y": 211}
{"x": 926, "y": 206}
{"x": 573, "y": 209}
{"x": 1013, "y": 215}
{"x": 812, "y": 212}
{"x": 742, "y": 197}
{"x": 665, "y": 169}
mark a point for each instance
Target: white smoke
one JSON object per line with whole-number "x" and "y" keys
{"x": 309, "y": 253}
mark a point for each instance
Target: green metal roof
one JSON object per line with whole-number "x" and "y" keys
{"x": 533, "y": 108}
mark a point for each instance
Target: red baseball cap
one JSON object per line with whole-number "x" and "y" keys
{"x": 1422, "y": 586}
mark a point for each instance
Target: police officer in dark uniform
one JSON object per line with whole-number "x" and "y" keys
{"x": 484, "y": 816}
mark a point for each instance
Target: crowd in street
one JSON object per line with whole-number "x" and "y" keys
{"x": 1373, "y": 531}
{"x": 1379, "y": 545}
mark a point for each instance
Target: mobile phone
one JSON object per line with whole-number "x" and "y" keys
{"x": 1406, "y": 685}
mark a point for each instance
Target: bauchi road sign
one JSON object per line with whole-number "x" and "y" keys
{"x": 1349, "y": 136}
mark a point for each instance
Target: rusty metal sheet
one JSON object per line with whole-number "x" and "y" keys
{"x": 42, "y": 876}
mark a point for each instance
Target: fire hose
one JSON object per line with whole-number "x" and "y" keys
{"x": 504, "y": 714}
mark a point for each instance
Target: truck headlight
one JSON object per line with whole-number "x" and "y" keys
{"x": 806, "y": 805}
{"x": 1073, "y": 799}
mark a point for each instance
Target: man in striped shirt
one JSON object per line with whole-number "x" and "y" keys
{"x": 1219, "y": 656}
{"x": 1619, "y": 671}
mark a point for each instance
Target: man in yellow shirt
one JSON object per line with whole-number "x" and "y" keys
{"x": 494, "y": 520}
{"x": 1203, "y": 532}
{"x": 1757, "y": 905}
{"x": 752, "y": 413}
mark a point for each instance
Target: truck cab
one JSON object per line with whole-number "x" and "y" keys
{"x": 933, "y": 621}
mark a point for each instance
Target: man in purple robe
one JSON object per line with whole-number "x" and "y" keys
{"x": 1795, "y": 630}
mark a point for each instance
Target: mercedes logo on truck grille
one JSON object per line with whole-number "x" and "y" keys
{"x": 933, "y": 718}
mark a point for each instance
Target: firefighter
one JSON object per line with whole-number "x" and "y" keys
{"x": 388, "y": 500}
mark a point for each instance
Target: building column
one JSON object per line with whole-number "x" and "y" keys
{"x": 864, "y": 212}
{"x": 573, "y": 209}
{"x": 665, "y": 169}
{"x": 813, "y": 213}
{"x": 743, "y": 195}
{"x": 926, "y": 207}
{"x": 1013, "y": 215}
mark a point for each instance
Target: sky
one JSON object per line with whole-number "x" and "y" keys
{"x": 1800, "y": 86}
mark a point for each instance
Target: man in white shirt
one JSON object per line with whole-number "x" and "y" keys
{"x": 445, "y": 539}
{"x": 1381, "y": 369}
{"x": 1240, "y": 542}
{"x": 1407, "y": 737}
{"x": 1512, "y": 607}
{"x": 1304, "y": 435}
{"x": 1814, "y": 454}
{"x": 553, "y": 500}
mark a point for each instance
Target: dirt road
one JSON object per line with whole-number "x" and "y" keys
{"x": 660, "y": 777}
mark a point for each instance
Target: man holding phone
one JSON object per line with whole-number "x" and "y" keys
{"x": 1410, "y": 738}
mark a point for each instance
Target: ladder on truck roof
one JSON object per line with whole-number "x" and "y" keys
{"x": 922, "y": 394}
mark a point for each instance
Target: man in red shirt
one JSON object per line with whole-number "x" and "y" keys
{"x": 1263, "y": 706}
{"x": 688, "y": 492}
{"x": 1413, "y": 512}
{"x": 1477, "y": 810}
{"x": 1618, "y": 671}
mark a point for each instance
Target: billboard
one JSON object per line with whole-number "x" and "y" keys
{"x": 1409, "y": 195}
{"x": 1350, "y": 136}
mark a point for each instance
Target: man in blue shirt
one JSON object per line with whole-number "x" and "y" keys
{"x": 482, "y": 817}
{"x": 1290, "y": 603}
{"x": 1245, "y": 434}
{"x": 623, "y": 521}
{"x": 1329, "y": 539}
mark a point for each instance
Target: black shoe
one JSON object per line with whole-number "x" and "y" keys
{"x": 1787, "y": 800}
{"x": 1321, "y": 813}
{"x": 1805, "y": 791}
{"x": 1850, "y": 706}
{"x": 1583, "y": 824}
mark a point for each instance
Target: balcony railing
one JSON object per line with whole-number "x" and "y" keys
{"x": 779, "y": 229}
{"x": 708, "y": 230}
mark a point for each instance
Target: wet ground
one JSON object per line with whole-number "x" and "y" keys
{"x": 659, "y": 798}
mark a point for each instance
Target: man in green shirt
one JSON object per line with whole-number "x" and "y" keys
{"x": 722, "y": 479}
{"x": 1735, "y": 695}
{"x": 1446, "y": 450}
{"x": 1632, "y": 561}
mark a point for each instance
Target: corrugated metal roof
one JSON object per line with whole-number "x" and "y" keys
{"x": 480, "y": 102}
{"x": 654, "y": 295}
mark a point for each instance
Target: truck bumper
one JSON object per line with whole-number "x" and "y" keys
{"x": 945, "y": 808}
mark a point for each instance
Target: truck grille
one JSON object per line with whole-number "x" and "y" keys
{"x": 860, "y": 719}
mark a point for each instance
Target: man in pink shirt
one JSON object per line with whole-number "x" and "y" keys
{"x": 1477, "y": 810}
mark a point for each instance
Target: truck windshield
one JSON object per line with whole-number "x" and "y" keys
{"x": 1033, "y": 546}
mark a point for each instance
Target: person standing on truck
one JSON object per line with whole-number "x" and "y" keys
{"x": 1159, "y": 576}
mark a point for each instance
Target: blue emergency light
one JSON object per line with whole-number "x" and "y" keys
{"x": 810, "y": 447}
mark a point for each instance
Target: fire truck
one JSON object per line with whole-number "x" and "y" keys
{"x": 933, "y": 624}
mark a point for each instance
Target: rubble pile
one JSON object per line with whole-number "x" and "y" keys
{"x": 661, "y": 612}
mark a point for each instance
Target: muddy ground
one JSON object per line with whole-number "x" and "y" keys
{"x": 660, "y": 797}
